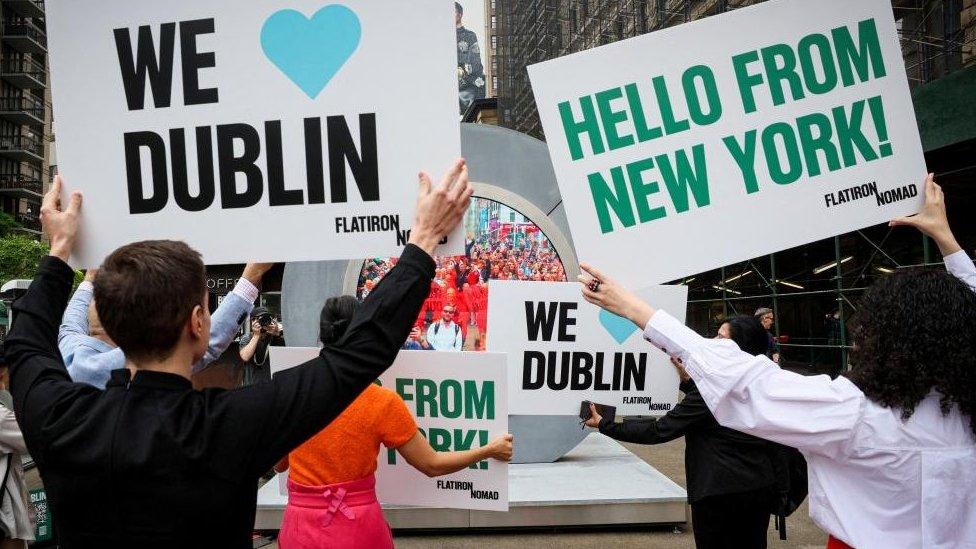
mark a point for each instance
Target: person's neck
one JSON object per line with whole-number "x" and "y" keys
{"x": 178, "y": 363}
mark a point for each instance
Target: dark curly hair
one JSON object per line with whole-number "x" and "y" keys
{"x": 915, "y": 331}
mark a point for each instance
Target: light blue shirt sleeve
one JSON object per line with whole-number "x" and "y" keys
{"x": 88, "y": 360}
{"x": 224, "y": 325}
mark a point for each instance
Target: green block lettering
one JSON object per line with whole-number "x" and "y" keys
{"x": 746, "y": 80}
{"x": 451, "y": 401}
{"x": 687, "y": 177}
{"x": 644, "y": 133}
{"x": 611, "y": 119}
{"x": 695, "y": 107}
{"x": 745, "y": 157}
{"x": 783, "y": 71}
{"x": 643, "y": 189}
{"x": 588, "y": 125}
{"x": 671, "y": 124}
{"x": 479, "y": 404}
{"x": 821, "y": 142}
{"x": 794, "y": 166}
{"x": 440, "y": 439}
{"x": 426, "y": 397}
{"x": 850, "y": 136}
{"x": 617, "y": 199}
{"x": 824, "y": 61}
{"x": 864, "y": 58}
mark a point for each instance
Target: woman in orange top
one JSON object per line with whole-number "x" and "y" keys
{"x": 331, "y": 483}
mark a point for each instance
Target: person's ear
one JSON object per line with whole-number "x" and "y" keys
{"x": 198, "y": 328}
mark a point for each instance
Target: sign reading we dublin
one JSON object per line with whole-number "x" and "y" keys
{"x": 252, "y": 130}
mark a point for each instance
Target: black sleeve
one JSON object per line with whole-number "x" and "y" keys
{"x": 674, "y": 424}
{"x": 301, "y": 401}
{"x": 43, "y": 392}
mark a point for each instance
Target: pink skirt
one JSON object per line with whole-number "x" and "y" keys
{"x": 344, "y": 515}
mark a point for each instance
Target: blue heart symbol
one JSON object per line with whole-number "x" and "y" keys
{"x": 311, "y": 51}
{"x": 618, "y": 327}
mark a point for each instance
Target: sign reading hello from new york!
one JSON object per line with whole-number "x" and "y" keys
{"x": 732, "y": 137}
{"x": 258, "y": 130}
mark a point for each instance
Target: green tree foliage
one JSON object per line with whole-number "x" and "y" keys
{"x": 19, "y": 257}
{"x": 7, "y": 223}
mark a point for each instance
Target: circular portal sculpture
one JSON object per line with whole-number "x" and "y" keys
{"x": 506, "y": 167}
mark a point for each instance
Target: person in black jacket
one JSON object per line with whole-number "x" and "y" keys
{"x": 149, "y": 462}
{"x": 730, "y": 475}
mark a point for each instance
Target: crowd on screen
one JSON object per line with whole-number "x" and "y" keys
{"x": 459, "y": 291}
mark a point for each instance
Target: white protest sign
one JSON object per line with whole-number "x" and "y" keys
{"x": 459, "y": 401}
{"x": 253, "y": 130}
{"x": 792, "y": 118}
{"x": 562, "y": 350}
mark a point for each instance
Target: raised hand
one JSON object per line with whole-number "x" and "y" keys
{"x": 254, "y": 272}
{"x": 501, "y": 447}
{"x": 603, "y": 292}
{"x": 60, "y": 226}
{"x": 932, "y": 219}
{"x": 440, "y": 208}
{"x": 595, "y": 418}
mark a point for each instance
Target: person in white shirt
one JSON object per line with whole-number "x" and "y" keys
{"x": 891, "y": 450}
{"x": 445, "y": 334}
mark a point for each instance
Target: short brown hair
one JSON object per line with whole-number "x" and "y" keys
{"x": 144, "y": 294}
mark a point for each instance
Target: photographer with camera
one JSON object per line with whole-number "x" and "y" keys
{"x": 265, "y": 332}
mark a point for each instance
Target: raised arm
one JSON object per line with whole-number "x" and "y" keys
{"x": 744, "y": 392}
{"x": 38, "y": 380}
{"x": 232, "y": 311}
{"x": 301, "y": 401}
{"x": 74, "y": 324}
{"x": 753, "y": 395}
{"x": 934, "y": 223}
{"x": 422, "y": 456}
{"x": 691, "y": 411}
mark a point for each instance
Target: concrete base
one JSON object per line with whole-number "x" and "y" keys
{"x": 598, "y": 483}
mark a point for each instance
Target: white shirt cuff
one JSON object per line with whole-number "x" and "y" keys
{"x": 87, "y": 286}
{"x": 246, "y": 290}
{"x": 958, "y": 262}
{"x": 671, "y": 336}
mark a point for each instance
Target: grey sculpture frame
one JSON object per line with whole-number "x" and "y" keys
{"x": 508, "y": 167}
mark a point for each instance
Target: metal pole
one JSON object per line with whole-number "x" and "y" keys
{"x": 840, "y": 304}
{"x": 926, "y": 250}
{"x": 725, "y": 295}
{"x": 772, "y": 284}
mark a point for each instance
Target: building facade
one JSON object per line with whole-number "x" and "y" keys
{"x": 25, "y": 113}
{"x": 813, "y": 289}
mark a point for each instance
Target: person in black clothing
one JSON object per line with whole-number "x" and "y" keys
{"x": 254, "y": 348}
{"x": 730, "y": 475}
{"x": 149, "y": 462}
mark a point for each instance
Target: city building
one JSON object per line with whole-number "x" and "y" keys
{"x": 813, "y": 289}
{"x": 25, "y": 113}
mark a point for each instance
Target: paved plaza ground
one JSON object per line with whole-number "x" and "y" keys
{"x": 667, "y": 458}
